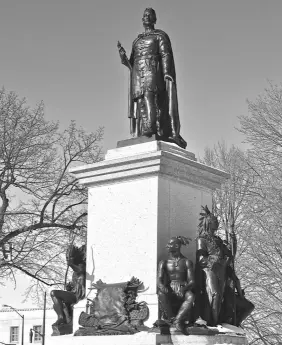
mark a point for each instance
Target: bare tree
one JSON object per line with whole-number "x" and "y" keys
{"x": 230, "y": 202}
{"x": 42, "y": 206}
{"x": 254, "y": 192}
{"x": 263, "y": 131}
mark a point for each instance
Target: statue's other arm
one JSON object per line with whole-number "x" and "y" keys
{"x": 160, "y": 277}
{"x": 201, "y": 253}
{"x": 166, "y": 56}
{"x": 190, "y": 276}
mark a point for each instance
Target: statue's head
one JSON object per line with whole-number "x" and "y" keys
{"x": 208, "y": 222}
{"x": 77, "y": 254}
{"x": 149, "y": 17}
{"x": 175, "y": 243}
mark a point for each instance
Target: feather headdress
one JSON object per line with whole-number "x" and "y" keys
{"x": 205, "y": 219}
{"x": 184, "y": 240}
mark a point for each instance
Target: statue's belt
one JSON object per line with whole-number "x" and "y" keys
{"x": 181, "y": 283}
{"x": 146, "y": 57}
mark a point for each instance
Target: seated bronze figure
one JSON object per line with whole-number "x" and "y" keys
{"x": 64, "y": 300}
{"x": 176, "y": 285}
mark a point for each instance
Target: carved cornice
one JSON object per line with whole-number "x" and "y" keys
{"x": 164, "y": 160}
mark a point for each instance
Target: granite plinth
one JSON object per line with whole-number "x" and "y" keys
{"x": 145, "y": 338}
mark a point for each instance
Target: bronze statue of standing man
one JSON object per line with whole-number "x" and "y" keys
{"x": 153, "y": 105}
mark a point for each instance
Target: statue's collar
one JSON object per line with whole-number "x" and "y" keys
{"x": 144, "y": 34}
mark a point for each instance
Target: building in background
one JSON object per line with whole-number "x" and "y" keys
{"x": 11, "y": 325}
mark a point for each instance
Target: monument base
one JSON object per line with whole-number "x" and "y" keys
{"x": 139, "y": 197}
{"x": 143, "y": 139}
{"x": 147, "y": 338}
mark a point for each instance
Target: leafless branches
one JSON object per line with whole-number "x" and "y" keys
{"x": 255, "y": 191}
{"x": 41, "y": 205}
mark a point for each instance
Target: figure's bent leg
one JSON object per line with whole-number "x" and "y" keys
{"x": 185, "y": 311}
{"x": 165, "y": 305}
{"x": 58, "y": 307}
{"x": 58, "y": 297}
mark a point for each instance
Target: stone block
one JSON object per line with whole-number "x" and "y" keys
{"x": 139, "y": 197}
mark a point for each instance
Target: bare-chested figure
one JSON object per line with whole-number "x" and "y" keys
{"x": 64, "y": 300}
{"x": 176, "y": 284}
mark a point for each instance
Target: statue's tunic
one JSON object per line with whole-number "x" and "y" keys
{"x": 214, "y": 254}
{"x": 151, "y": 59}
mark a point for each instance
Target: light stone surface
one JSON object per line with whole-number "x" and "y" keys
{"x": 157, "y": 159}
{"x": 77, "y": 309}
{"x": 139, "y": 197}
{"x": 144, "y": 338}
{"x": 220, "y": 339}
{"x": 149, "y": 147}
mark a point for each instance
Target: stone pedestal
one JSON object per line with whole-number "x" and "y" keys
{"x": 144, "y": 338}
{"x": 139, "y": 197}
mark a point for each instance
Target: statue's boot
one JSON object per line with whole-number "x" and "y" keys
{"x": 184, "y": 314}
{"x": 58, "y": 307}
{"x": 166, "y": 305}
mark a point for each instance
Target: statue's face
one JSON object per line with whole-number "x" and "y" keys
{"x": 173, "y": 245}
{"x": 214, "y": 224}
{"x": 148, "y": 18}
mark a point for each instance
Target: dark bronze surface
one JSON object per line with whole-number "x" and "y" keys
{"x": 176, "y": 285}
{"x": 216, "y": 299}
{"x": 153, "y": 105}
{"x": 114, "y": 311}
{"x": 64, "y": 300}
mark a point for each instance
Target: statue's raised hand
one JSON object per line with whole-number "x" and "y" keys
{"x": 121, "y": 50}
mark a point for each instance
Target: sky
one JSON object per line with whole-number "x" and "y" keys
{"x": 64, "y": 53}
